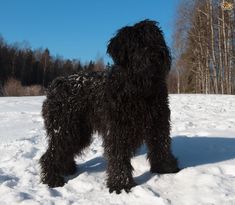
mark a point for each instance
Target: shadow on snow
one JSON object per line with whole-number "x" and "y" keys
{"x": 194, "y": 151}
{"x": 190, "y": 151}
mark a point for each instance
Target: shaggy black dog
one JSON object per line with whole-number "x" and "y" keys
{"x": 127, "y": 105}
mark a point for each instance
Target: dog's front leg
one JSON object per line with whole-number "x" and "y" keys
{"x": 119, "y": 169}
{"x": 159, "y": 142}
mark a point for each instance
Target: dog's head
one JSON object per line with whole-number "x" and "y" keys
{"x": 140, "y": 46}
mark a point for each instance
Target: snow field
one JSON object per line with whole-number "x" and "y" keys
{"x": 203, "y": 139}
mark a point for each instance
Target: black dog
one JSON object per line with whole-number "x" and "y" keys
{"x": 127, "y": 105}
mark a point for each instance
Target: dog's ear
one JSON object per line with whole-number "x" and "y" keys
{"x": 118, "y": 46}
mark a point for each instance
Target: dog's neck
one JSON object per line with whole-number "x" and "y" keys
{"x": 144, "y": 83}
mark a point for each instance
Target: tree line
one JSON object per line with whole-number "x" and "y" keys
{"x": 203, "y": 53}
{"x": 204, "y": 47}
{"x": 37, "y": 67}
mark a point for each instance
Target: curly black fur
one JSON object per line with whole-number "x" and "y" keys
{"x": 127, "y": 105}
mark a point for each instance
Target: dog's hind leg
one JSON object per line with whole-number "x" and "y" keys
{"x": 67, "y": 136}
{"x": 55, "y": 163}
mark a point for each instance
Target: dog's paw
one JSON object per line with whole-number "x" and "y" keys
{"x": 164, "y": 170}
{"x": 55, "y": 181}
{"x": 170, "y": 166}
{"x": 70, "y": 170}
{"x": 118, "y": 188}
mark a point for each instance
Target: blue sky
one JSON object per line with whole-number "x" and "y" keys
{"x": 78, "y": 29}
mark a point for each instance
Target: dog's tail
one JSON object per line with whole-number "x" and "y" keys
{"x": 59, "y": 87}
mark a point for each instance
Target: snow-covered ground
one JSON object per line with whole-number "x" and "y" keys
{"x": 203, "y": 133}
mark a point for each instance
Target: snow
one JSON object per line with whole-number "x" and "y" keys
{"x": 203, "y": 139}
